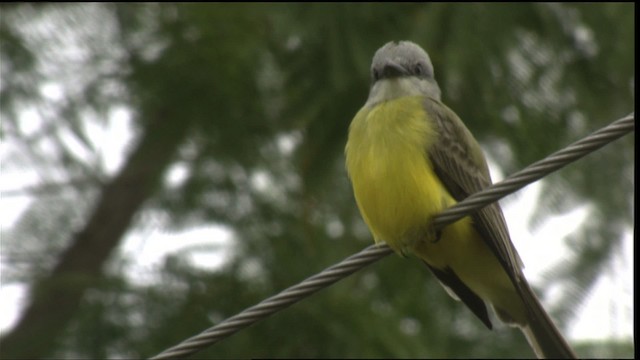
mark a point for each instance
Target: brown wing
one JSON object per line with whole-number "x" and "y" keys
{"x": 460, "y": 164}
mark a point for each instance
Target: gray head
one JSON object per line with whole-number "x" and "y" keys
{"x": 404, "y": 59}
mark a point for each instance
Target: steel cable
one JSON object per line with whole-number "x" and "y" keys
{"x": 374, "y": 253}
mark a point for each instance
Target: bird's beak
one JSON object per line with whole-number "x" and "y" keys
{"x": 392, "y": 69}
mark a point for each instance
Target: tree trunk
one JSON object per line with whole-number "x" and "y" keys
{"x": 54, "y": 299}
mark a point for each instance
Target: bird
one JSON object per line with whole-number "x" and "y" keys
{"x": 409, "y": 157}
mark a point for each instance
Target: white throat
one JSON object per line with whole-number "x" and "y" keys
{"x": 389, "y": 89}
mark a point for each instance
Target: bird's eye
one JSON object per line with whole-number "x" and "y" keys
{"x": 376, "y": 75}
{"x": 419, "y": 70}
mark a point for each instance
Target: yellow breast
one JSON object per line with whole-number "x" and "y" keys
{"x": 393, "y": 181}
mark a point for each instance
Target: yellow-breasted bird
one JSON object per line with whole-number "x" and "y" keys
{"x": 409, "y": 157}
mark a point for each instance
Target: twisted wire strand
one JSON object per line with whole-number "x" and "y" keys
{"x": 374, "y": 253}
{"x": 536, "y": 171}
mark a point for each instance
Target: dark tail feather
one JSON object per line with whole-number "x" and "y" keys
{"x": 543, "y": 336}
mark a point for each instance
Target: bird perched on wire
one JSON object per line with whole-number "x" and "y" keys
{"x": 409, "y": 157}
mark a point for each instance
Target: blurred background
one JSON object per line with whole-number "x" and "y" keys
{"x": 165, "y": 166}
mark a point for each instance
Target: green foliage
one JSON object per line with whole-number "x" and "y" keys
{"x": 267, "y": 93}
